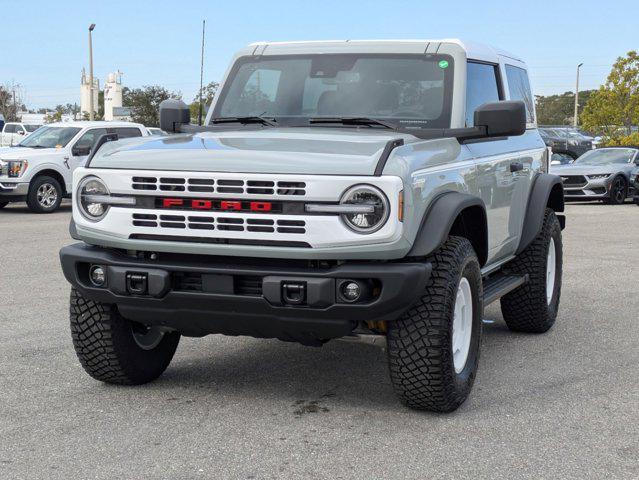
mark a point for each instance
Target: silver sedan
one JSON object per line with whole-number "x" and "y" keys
{"x": 601, "y": 174}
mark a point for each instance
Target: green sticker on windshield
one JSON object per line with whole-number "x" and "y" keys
{"x": 443, "y": 64}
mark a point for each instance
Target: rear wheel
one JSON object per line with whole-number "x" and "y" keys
{"x": 113, "y": 349}
{"x": 618, "y": 191}
{"x": 533, "y": 306}
{"x": 45, "y": 194}
{"x": 433, "y": 349}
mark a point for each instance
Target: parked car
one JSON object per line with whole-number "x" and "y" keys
{"x": 39, "y": 170}
{"x": 14, "y": 132}
{"x": 377, "y": 191}
{"x": 601, "y": 174}
{"x": 561, "y": 141}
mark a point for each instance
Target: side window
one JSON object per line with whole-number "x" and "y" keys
{"x": 482, "y": 87}
{"x": 128, "y": 132}
{"x": 19, "y": 129}
{"x": 519, "y": 89}
{"x": 9, "y": 128}
{"x": 90, "y": 137}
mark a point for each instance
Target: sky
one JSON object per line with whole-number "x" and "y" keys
{"x": 158, "y": 42}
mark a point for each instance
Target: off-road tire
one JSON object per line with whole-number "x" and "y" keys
{"x": 526, "y": 309}
{"x": 32, "y": 197}
{"x": 419, "y": 344}
{"x": 618, "y": 191}
{"x": 105, "y": 346}
{"x": 3, "y": 204}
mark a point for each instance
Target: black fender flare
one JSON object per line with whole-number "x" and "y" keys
{"x": 547, "y": 191}
{"x": 439, "y": 219}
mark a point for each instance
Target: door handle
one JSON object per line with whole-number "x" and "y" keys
{"x": 516, "y": 167}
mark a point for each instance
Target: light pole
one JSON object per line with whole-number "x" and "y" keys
{"x": 576, "y": 119}
{"x": 91, "y": 117}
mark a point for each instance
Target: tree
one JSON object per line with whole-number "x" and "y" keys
{"x": 208, "y": 94}
{"x": 145, "y": 103}
{"x": 614, "y": 108}
{"x": 559, "y": 109}
{"x": 10, "y": 101}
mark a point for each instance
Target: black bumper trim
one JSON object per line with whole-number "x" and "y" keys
{"x": 198, "y": 313}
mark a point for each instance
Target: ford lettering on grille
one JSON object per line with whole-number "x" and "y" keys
{"x": 217, "y": 205}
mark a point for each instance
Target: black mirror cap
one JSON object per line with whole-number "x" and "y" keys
{"x": 173, "y": 113}
{"x": 502, "y": 119}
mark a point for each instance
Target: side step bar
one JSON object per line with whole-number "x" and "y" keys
{"x": 499, "y": 285}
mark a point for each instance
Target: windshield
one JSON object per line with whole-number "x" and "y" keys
{"x": 32, "y": 128}
{"x": 50, "y": 137}
{"x": 405, "y": 90}
{"x": 606, "y": 156}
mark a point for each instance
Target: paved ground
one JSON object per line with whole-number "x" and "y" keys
{"x": 560, "y": 405}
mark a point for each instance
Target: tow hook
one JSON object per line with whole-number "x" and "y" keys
{"x": 293, "y": 293}
{"x": 137, "y": 283}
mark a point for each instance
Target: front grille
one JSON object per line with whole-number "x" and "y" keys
{"x": 574, "y": 180}
{"x": 222, "y": 185}
{"x": 208, "y": 222}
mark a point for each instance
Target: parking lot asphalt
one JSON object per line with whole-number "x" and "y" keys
{"x": 560, "y": 405}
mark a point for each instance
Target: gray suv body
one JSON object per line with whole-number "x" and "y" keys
{"x": 374, "y": 191}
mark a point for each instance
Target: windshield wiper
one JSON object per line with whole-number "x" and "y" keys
{"x": 353, "y": 121}
{"x": 246, "y": 120}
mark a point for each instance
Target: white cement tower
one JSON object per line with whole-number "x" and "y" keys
{"x": 85, "y": 94}
{"x": 112, "y": 94}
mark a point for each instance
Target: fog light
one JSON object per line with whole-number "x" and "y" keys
{"x": 97, "y": 275}
{"x": 351, "y": 291}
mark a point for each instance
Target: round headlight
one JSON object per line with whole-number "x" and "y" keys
{"x": 90, "y": 207}
{"x": 366, "y": 195}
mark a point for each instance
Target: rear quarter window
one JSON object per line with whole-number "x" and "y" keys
{"x": 519, "y": 89}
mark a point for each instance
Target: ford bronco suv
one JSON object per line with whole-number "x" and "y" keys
{"x": 381, "y": 191}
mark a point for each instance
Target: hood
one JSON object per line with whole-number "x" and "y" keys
{"x": 26, "y": 153}
{"x": 313, "y": 151}
{"x": 576, "y": 169}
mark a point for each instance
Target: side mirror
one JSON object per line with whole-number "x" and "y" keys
{"x": 80, "y": 151}
{"x": 20, "y": 132}
{"x": 502, "y": 119}
{"x": 173, "y": 113}
{"x": 555, "y": 162}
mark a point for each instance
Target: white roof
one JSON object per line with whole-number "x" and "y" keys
{"x": 474, "y": 50}
{"x": 96, "y": 123}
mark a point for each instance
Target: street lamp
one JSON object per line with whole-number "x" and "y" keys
{"x": 576, "y": 119}
{"x": 91, "y": 117}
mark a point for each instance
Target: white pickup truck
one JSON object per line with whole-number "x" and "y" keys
{"x": 39, "y": 169}
{"x": 13, "y": 133}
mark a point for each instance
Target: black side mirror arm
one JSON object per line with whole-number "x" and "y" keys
{"x": 107, "y": 137}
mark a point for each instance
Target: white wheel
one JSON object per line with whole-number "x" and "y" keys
{"x": 462, "y": 324}
{"x": 551, "y": 267}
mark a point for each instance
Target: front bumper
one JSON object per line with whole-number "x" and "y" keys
{"x": 198, "y": 295}
{"x": 13, "y": 190}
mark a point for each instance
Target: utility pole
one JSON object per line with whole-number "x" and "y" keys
{"x": 576, "y": 119}
{"x": 199, "y": 116}
{"x": 91, "y": 107}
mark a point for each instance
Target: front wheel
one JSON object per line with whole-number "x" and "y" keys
{"x": 618, "y": 191}
{"x": 45, "y": 194}
{"x": 115, "y": 350}
{"x": 433, "y": 349}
